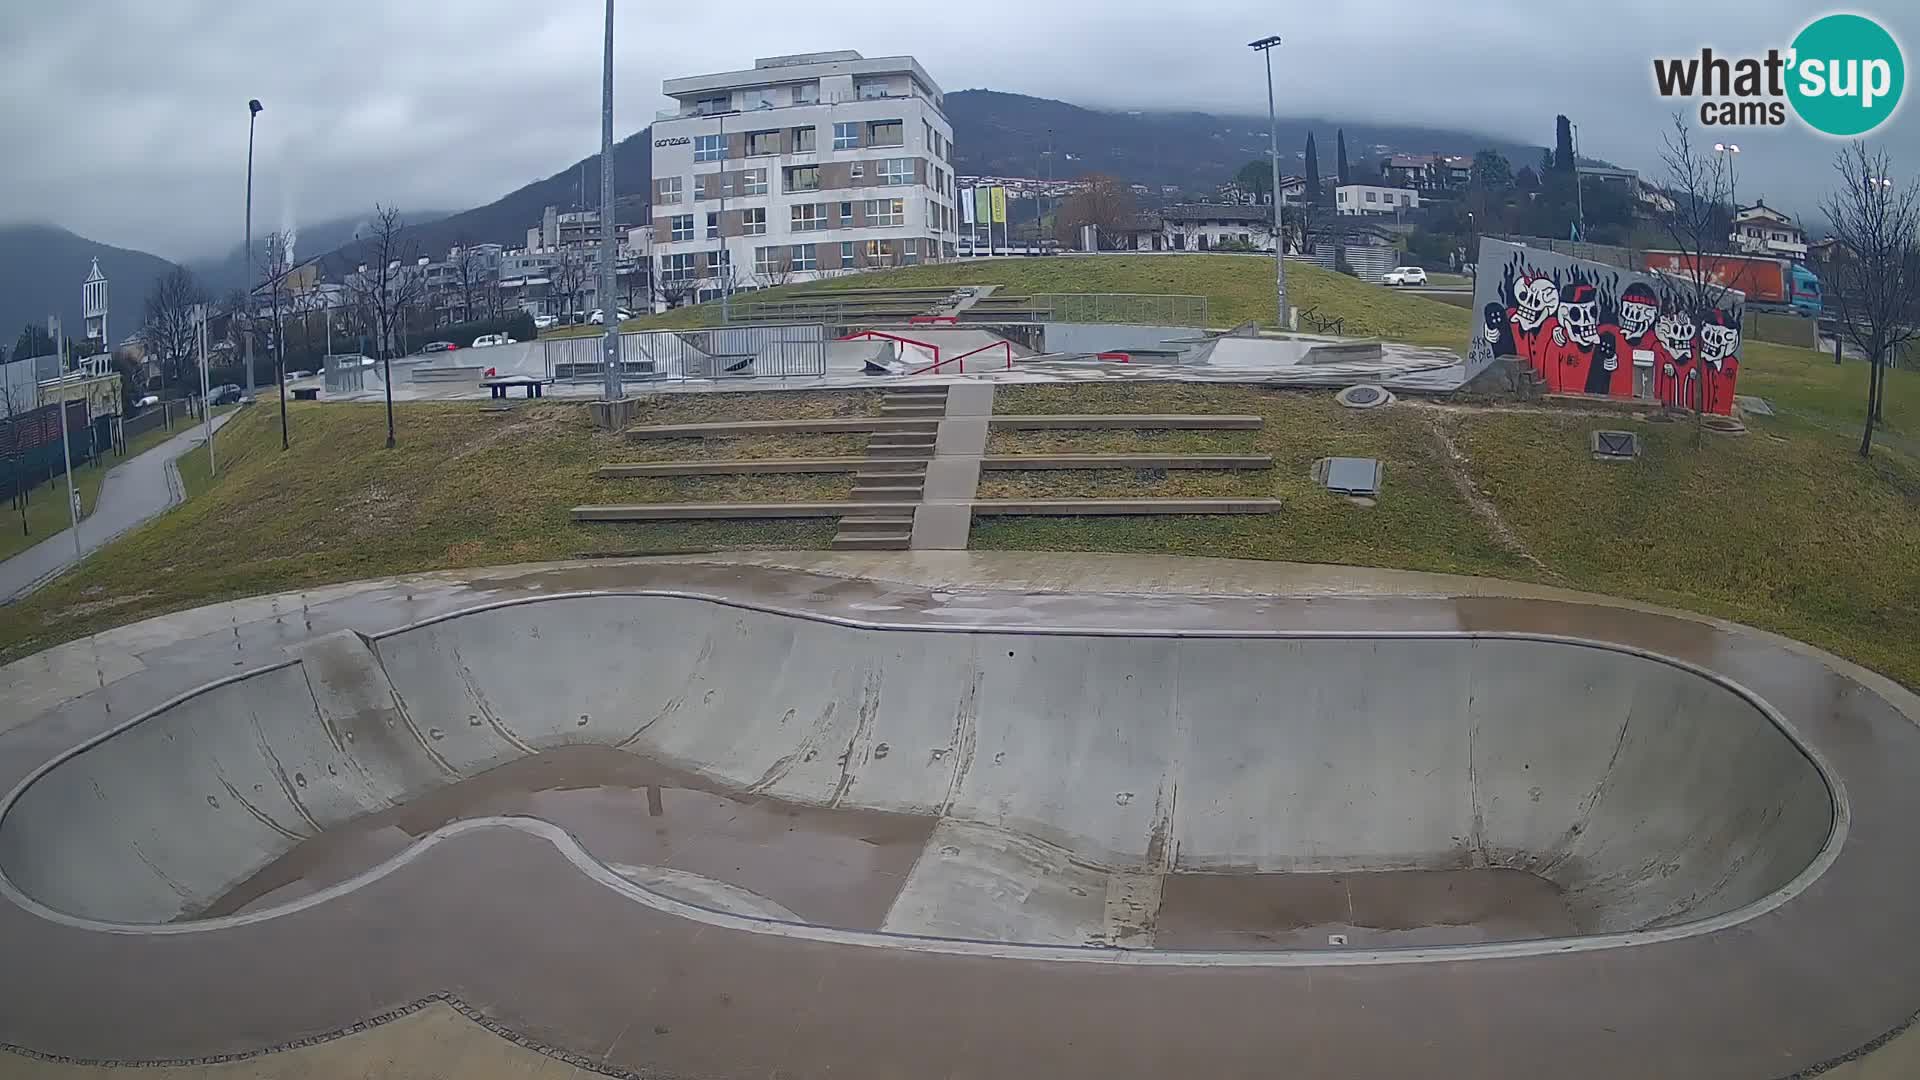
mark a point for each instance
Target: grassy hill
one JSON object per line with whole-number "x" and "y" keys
{"x": 1238, "y": 288}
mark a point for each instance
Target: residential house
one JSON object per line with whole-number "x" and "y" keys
{"x": 1360, "y": 199}
{"x": 1761, "y": 230}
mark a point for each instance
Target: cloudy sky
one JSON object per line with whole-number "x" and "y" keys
{"x": 126, "y": 119}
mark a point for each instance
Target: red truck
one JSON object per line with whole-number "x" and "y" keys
{"x": 1779, "y": 282}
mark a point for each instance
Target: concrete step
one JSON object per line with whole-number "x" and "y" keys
{"x": 703, "y": 511}
{"x": 828, "y": 425}
{"x": 918, "y": 390}
{"x": 874, "y": 542}
{"x": 732, "y": 466}
{"x": 1016, "y": 462}
{"x": 1104, "y": 507}
{"x": 892, "y": 524}
{"x": 1122, "y": 421}
{"x": 903, "y": 438}
{"x": 916, "y": 452}
{"x": 891, "y": 470}
{"x": 887, "y": 494}
{"x": 890, "y": 409}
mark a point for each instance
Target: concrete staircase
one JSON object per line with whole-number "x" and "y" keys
{"x": 894, "y": 470}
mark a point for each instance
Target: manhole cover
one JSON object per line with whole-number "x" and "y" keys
{"x": 1353, "y": 475}
{"x": 1615, "y": 445}
{"x": 1363, "y": 396}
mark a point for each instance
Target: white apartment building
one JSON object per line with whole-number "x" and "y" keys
{"x": 1373, "y": 199}
{"x": 813, "y": 164}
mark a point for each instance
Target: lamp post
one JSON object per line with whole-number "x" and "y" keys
{"x": 1265, "y": 47}
{"x": 1579, "y": 188}
{"x": 1732, "y": 152}
{"x": 253, "y": 110}
{"x": 609, "y": 310}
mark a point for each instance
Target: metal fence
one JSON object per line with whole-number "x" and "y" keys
{"x": 1369, "y": 262}
{"x": 793, "y": 350}
{"x": 1154, "y": 309}
{"x": 166, "y": 414}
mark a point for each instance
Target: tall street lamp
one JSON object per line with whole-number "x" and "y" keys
{"x": 1265, "y": 47}
{"x": 609, "y": 310}
{"x": 253, "y": 110}
{"x": 1732, "y": 152}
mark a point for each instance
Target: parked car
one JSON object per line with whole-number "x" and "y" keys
{"x": 485, "y": 341}
{"x": 150, "y": 399}
{"x": 224, "y": 394}
{"x": 543, "y": 322}
{"x": 600, "y": 316}
{"x": 1404, "y": 275}
{"x": 439, "y": 346}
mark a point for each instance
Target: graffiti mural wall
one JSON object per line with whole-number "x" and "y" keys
{"x": 1589, "y": 328}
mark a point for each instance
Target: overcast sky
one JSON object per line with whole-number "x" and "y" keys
{"x": 126, "y": 119}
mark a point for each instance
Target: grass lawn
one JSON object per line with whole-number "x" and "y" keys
{"x": 47, "y": 514}
{"x": 1810, "y": 383}
{"x": 1237, "y": 288}
{"x": 464, "y": 488}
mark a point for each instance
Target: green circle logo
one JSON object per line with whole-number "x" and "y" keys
{"x": 1847, "y": 75}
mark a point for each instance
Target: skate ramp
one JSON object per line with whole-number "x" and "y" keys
{"x": 1072, "y": 783}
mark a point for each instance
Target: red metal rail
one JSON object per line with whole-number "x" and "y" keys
{"x": 869, "y": 335}
{"x": 1125, "y": 358}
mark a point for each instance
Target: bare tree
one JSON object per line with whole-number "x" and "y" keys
{"x": 1874, "y": 276}
{"x": 1698, "y": 220}
{"x": 168, "y": 328}
{"x": 387, "y": 285}
{"x": 275, "y": 268}
{"x": 1105, "y": 203}
{"x": 475, "y": 279}
{"x": 567, "y": 280}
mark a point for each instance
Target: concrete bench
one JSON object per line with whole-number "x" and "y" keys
{"x": 306, "y": 393}
{"x": 498, "y": 385}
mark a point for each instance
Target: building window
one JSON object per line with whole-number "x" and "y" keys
{"x": 886, "y": 211}
{"x": 682, "y": 227}
{"x": 879, "y": 253}
{"x": 801, "y": 255}
{"x": 1370, "y": 196}
{"x": 709, "y": 147}
{"x": 846, "y": 215}
{"x": 669, "y": 190}
{"x": 856, "y": 170}
{"x": 753, "y": 182}
{"x": 802, "y": 178}
{"x": 896, "y": 170}
{"x": 707, "y": 105}
{"x": 762, "y": 143}
{"x": 713, "y": 226}
{"x": 846, "y": 253}
{"x": 932, "y": 142}
{"x": 846, "y": 136}
{"x": 753, "y": 222}
{"x": 806, "y": 94}
{"x": 1342, "y": 195}
{"x": 676, "y": 267}
{"x": 870, "y": 90}
{"x": 769, "y": 260}
{"x": 809, "y": 217}
{"x": 802, "y": 140}
{"x": 886, "y": 133}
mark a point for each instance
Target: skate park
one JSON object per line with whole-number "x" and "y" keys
{"x": 989, "y": 809}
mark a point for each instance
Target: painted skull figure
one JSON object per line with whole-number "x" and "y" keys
{"x": 1675, "y": 330}
{"x": 1536, "y": 300}
{"x": 1638, "y": 309}
{"x": 1719, "y": 338}
{"x": 1579, "y": 315}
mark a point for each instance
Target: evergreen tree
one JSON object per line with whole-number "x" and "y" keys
{"x": 1345, "y": 174}
{"x": 1313, "y": 169}
{"x": 1563, "y": 144}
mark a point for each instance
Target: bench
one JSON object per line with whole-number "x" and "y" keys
{"x": 306, "y": 393}
{"x": 499, "y": 385}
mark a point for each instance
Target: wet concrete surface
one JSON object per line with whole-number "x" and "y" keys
{"x": 831, "y": 867}
{"x": 1368, "y": 910}
{"x": 504, "y": 923}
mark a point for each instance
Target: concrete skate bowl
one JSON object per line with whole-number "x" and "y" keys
{"x": 1304, "y": 798}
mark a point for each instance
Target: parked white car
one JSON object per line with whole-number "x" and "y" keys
{"x": 1404, "y": 275}
{"x": 488, "y": 340}
{"x": 542, "y": 322}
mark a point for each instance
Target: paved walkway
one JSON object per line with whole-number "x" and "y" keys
{"x": 134, "y": 491}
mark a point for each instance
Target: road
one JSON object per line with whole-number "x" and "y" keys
{"x": 134, "y": 491}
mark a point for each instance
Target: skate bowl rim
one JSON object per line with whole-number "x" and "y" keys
{"x": 599, "y": 872}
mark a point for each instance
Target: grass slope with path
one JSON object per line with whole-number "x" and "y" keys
{"x": 46, "y": 510}
{"x": 1238, "y": 288}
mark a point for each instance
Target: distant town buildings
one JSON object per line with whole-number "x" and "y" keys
{"x": 802, "y": 166}
{"x": 1427, "y": 172}
{"x": 1761, "y": 230}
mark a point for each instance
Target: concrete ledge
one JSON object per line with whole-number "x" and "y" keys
{"x": 1146, "y": 422}
{"x": 821, "y": 426}
{"x": 1017, "y": 462}
{"x": 1105, "y": 507}
{"x": 613, "y": 415}
{"x": 732, "y": 466}
{"x": 698, "y": 511}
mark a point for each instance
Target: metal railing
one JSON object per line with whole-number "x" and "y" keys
{"x": 785, "y": 351}
{"x": 1151, "y": 309}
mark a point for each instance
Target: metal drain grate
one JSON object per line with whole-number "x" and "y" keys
{"x": 1353, "y": 475}
{"x": 1616, "y": 445}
